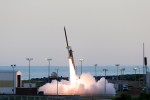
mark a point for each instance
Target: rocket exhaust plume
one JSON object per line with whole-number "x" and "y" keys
{"x": 85, "y": 85}
{"x": 73, "y": 76}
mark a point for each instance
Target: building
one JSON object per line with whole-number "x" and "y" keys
{"x": 9, "y": 81}
{"x": 147, "y": 82}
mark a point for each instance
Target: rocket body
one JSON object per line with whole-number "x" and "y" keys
{"x": 70, "y": 52}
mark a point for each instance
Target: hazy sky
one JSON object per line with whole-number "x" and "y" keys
{"x": 105, "y": 32}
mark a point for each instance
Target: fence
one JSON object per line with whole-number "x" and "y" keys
{"x": 27, "y": 97}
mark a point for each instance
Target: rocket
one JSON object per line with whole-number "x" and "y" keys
{"x": 70, "y": 52}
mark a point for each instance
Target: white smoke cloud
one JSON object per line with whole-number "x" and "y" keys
{"x": 86, "y": 85}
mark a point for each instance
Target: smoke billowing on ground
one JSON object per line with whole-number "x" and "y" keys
{"x": 85, "y": 85}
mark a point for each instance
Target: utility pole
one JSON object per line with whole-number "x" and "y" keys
{"x": 29, "y": 59}
{"x": 57, "y": 82}
{"x": 13, "y": 66}
{"x": 135, "y": 72}
{"x": 95, "y": 70}
{"x": 105, "y": 70}
{"x": 143, "y": 58}
{"x": 139, "y": 75}
{"x": 81, "y": 60}
{"x": 117, "y": 71}
{"x": 49, "y": 60}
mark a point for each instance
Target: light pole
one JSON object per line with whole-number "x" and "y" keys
{"x": 76, "y": 69}
{"x": 122, "y": 72}
{"x": 95, "y": 70}
{"x": 135, "y": 72}
{"x": 13, "y": 66}
{"x": 81, "y": 60}
{"x": 49, "y": 60}
{"x": 105, "y": 70}
{"x": 117, "y": 70}
{"x": 139, "y": 75}
{"x": 123, "y": 69}
{"x": 143, "y": 58}
{"x": 29, "y": 59}
{"x": 57, "y": 81}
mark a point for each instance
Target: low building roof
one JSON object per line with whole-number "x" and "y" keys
{"x": 10, "y": 71}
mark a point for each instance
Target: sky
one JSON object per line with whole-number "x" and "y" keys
{"x": 103, "y": 32}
